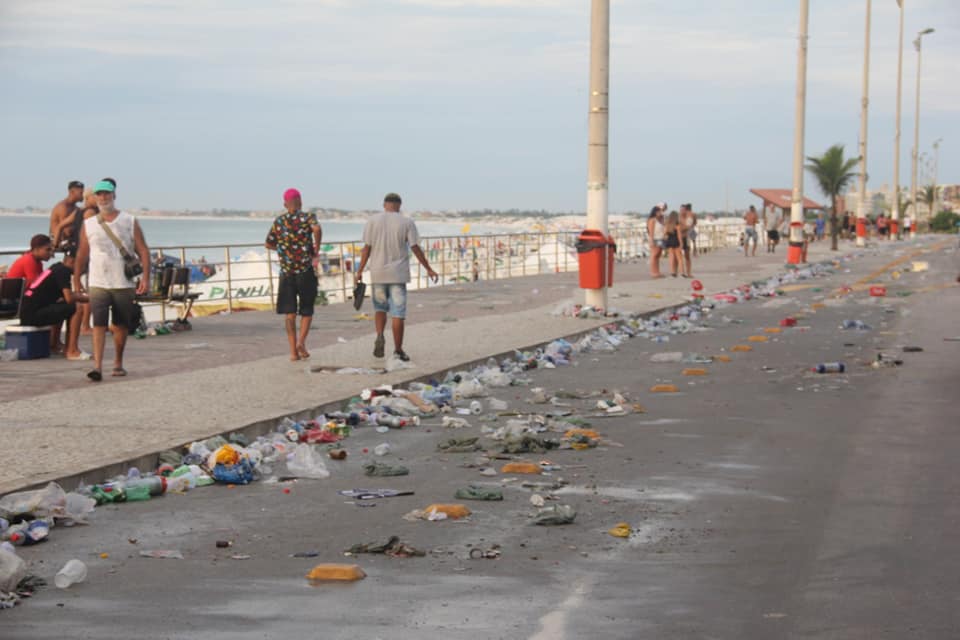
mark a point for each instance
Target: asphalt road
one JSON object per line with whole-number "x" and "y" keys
{"x": 767, "y": 502}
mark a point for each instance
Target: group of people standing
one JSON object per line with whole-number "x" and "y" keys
{"x": 673, "y": 234}
{"x": 389, "y": 238}
{"x": 95, "y": 278}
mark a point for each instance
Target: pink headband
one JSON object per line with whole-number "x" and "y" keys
{"x": 290, "y": 194}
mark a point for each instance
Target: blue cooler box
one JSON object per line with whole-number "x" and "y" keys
{"x": 30, "y": 342}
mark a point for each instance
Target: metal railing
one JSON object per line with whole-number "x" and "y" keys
{"x": 247, "y": 275}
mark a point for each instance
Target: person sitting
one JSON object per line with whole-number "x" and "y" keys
{"x": 30, "y": 265}
{"x": 49, "y": 301}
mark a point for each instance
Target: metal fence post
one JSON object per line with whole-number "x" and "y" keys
{"x": 229, "y": 280}
{"x": 273, "y": 302}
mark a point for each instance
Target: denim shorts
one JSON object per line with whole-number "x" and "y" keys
{"x": 390, "y": 298}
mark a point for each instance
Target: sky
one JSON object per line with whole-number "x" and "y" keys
{"x": 455, "y": 104}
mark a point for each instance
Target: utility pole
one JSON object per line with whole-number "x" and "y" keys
{"x": 598, "y": 132}
{"x": 795, "y": 248}
{"x": 895, "y": 203}
{"x": 918, "y": 43}
{"x": 864, "y": 105}
{"x": 936, "y": 172}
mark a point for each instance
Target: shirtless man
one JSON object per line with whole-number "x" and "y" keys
{"x": 750, "y": 232}
{"x": 64, "y": 209}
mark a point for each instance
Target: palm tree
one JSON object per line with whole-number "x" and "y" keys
{"x": 833, "y": 174}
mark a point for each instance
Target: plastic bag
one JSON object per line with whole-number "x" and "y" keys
{"x": 49, "y": 501}
{"x": 12, "y": 570}
{"x": 307, "y": 462}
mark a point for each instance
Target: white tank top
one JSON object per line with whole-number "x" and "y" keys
{"x": 658, "y": 230}
{"x": 106, "y": 261}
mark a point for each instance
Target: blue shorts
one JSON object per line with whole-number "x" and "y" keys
{"x": 390, "y": 298}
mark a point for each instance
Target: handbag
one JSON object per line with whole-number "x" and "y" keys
{"x": 131, "y": 263}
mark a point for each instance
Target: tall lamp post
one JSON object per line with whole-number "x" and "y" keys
{"x": 918, "y": 43}
{"x": 936, "y": 171}
{"x": 864, "y": 104}
{"x": 795, "y": 247}
{"x": 895, "y": 201}
{"x": 598, "y": 130}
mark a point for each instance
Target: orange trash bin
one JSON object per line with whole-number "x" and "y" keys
{"x": 595, "y": 255}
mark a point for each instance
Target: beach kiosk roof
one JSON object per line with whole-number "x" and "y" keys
{"x": 781, "y": 198}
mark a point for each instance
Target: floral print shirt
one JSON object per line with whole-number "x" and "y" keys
{"x": 292, "y": 233}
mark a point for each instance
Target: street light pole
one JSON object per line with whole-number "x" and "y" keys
{"x": 598, "y": 130}
{"x": 795, "y": 248}
{"x": 864, "y": 104}
{"x": 895, "y": 206}
{"x": 936, "y": 171}
{"x": 916, "y": 137}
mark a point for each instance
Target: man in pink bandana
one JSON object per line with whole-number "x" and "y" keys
{"x": 295, "y": 236}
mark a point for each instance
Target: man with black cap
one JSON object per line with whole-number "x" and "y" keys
{"x": 65, "y": 208}
{"x": 388, "y": 239}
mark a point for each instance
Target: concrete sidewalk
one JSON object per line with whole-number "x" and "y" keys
{"x": 233, "y": 371}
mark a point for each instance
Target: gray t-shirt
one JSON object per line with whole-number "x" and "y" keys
{"x": 390, "y": 236}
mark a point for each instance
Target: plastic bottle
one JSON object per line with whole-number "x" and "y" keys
{"x": 830, "y": 367}
{"x": 397, "y": 422}
{"x": 28, "y": 533}
{"x": 476, "y": 408}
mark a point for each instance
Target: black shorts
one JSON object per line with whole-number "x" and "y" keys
{"x": 120, "y": 301}
{"x": 773, "y": 235}
{"x": 52, "y": 314}
{"x": 297, "y": 293}
{"x": 884, "y": 231}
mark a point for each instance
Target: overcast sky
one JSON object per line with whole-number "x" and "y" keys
{"x": 455, "y": 104}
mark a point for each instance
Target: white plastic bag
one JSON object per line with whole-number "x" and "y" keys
{"x": 307, "y": 462}
{"x": 12, "y": 570}
{"x": 49, "y": 501}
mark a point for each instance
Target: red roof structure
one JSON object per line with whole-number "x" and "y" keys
{"x": 782, "y": 198}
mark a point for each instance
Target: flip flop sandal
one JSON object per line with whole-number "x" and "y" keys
{"x": 303, "y": 353}
{"x": 95, "y": 375}
{"x": 119, "y": 372}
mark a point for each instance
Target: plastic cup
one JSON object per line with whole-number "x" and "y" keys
{"x": 72, "y": 573}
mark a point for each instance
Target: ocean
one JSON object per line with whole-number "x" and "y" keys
{"x": 17, "y": 229}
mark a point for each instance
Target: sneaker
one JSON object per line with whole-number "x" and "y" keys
{"x": 401, "y": 355}
{"x": 378, "y": 347}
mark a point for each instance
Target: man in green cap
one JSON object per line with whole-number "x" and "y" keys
{"x": 389, "y": 238}
{"x": 104, "y": 241}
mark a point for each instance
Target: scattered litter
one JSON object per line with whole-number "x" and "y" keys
{"x": 370, "y": 494}
{"x": 162, "y": 554}
{"x": 830, "y": 367}
{"x": 439, "y": 512}
{"x": 452, "y": 422}
{"x": 336, "y": 572}
{"x": 459, "y": 445}
{"x": 912, "y": 349}
{"x": 621, "y": 530}
{"x": 474, "y": 492}
{"x": 694, "y": 372}
{"x": 555, "y": 515}
{"x": 73, "y": 572}
{"x": 393, "y": 547}
{"x": 491, "y": 553}
{"x": 521, "y": 467}
{"x": 380, "y": 469}
{"x": 663, "y": 388}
